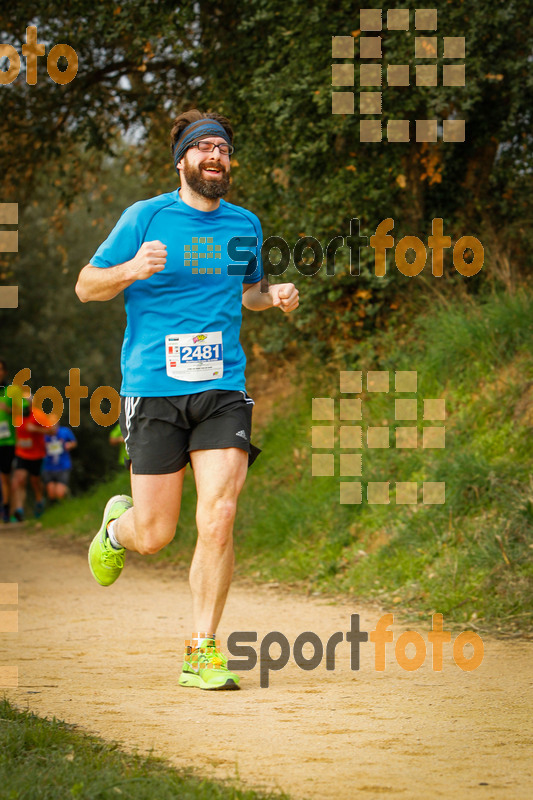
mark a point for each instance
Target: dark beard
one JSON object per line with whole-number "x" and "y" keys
{"x": 213, "y": 189}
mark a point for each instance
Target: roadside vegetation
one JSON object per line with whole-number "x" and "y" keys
{"x": 47, "y": 759}
{"x": 469, "y": 558}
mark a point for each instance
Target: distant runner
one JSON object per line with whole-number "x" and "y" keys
{"x": 183, "y": 389}
{"x": 30, "y": 451}
{"x": 7, "y": 439}
{"x": 57, "y": 463}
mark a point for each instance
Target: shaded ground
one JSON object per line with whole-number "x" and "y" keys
{"x": 108, "y": 660}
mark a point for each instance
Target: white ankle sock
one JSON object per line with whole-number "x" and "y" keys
{"x": 115, "y": 544}
{"x": 198, "y": 638}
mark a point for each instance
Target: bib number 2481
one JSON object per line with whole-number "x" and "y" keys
{"x": 194, "y": 356}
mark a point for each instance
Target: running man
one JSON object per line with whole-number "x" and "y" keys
{"x": 30, "y": 451}
{"x": 57, "y": 463}
{"x": 183, "y": 390}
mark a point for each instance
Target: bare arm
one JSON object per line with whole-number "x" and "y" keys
{"x": 32, "y": 427}
{"x": 256, "y": 296}
{"x": 95, "y": 283}
{"x": 283, "y": 295}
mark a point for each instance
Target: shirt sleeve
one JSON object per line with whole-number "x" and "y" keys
{"x": 68, "y": 436}
{"x": 124, "y": 240}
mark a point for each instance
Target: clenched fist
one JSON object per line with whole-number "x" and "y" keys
{"x": 285, "y": 296}
{"x": 151, "y": 257}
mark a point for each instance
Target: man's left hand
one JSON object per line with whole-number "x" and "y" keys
{"x": 284, "y": 295}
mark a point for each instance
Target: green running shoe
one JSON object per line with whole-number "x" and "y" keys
{"x": 205, "y": 668}
{"x": 105, "y": 562}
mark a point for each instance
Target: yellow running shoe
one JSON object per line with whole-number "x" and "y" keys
{"x": 205, "y": 667}
{"x": 105, "y": 562}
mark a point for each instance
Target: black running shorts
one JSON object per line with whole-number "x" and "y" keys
{"x": 31, "y": 465}
{"x": 7, "y": 454}
{"x": 56, "y": 476}
{"x": 160, "y": 432}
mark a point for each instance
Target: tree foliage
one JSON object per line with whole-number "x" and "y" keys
{"x": 305, "y": 168}
{"x": 74, "y": 155}
{"x": 133, "y": 60}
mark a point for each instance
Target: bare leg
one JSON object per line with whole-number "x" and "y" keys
{"x": 18, "y": 488}
{"x": 220, "y": 476}
{"x": 151, "y": 523}
{"x": 56, "y": 490}
{"x": 61, "y": 491}
{"x": 37, "y": 486}
{"x": 6, "y": 488}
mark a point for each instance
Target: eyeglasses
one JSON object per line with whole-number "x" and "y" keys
{"x": 208, "y": 147}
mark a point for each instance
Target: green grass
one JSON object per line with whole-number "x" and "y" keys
{"x": 471, "y": 558}
{"x": 43, "y": 759}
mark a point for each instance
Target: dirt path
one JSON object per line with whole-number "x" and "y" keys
{"x": 107, "y": 659}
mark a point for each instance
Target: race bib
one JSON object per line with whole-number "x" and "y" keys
{"x": 4, "y": 430}
{"x": 54, "y": 448}
{"x": 194, "y": 356}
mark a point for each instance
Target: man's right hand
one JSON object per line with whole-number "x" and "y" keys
{"x": 151, "y": 257}
{"x": 95, "y": 283}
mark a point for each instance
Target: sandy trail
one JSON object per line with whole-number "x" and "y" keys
{"x": 108, "y": 660}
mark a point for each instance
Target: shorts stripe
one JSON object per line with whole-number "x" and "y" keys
{"x": 131, "y": 404}
{"x": 247, "y": 399}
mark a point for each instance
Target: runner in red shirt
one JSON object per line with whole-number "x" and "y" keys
{"x": 30, "y": 449}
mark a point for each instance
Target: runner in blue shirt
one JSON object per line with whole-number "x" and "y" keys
{"x": 187, "y": 261}
{"x": 57, "y": 463}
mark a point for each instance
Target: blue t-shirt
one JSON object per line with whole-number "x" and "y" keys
{"x": 196, "y": 294}
{"x": 57, "y": 458}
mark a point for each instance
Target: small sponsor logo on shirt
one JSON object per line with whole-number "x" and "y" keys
{"x": 242, "y": 434}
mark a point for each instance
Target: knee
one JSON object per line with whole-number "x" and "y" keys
{"x": 218, "y": 522}
{"x": 19, "y": 480}
{"x": 151, "y": 535}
